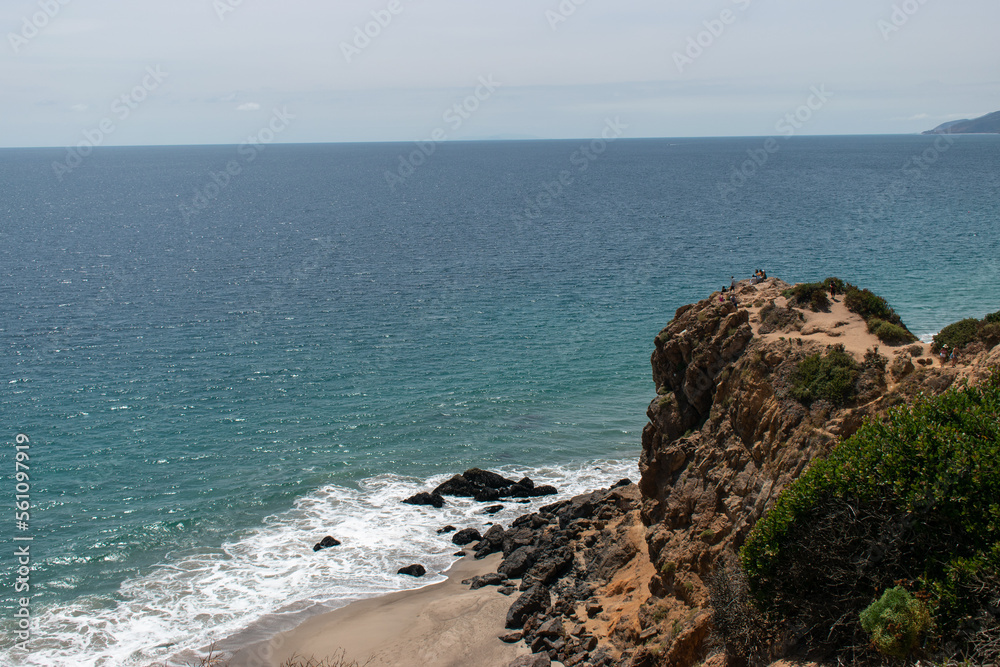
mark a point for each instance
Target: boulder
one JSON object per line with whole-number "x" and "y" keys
{"x": 551, "y": 628}
{"x": 466, "y": 536}
{"x": 415, "y": 570}
{"x": 447, "y": 529}
{"x": 493, "y": 509}
{"x": 488, "y": 479}
{"x": 533, "y": 600}
{"x": 326, "y": 543}
{"x": 491, "y": 579}
{"x": 433, "y": 499}
{"x": 491, "y": 543}
{"x": 456, "y": 486}
{"x": 519, "y": 562}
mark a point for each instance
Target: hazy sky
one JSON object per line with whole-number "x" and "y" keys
{"x": 214, "y": 71}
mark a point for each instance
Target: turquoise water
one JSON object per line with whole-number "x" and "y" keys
{"x": 208, "y": 394}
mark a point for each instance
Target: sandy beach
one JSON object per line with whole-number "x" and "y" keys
{"x": 442, "y": 625}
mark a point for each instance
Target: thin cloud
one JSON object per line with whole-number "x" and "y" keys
{"x": 248, "y": 106}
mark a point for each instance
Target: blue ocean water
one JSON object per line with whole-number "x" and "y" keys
{"x": 215, "y": 373}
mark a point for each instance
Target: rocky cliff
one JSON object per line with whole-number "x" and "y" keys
{"x": 623, "y": 575}
{"x": 725, "y": 434}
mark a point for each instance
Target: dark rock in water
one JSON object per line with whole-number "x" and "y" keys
{"x": 510, "y": 638}
{"x": 326, "y": 543}
{"x": 520, "y": 491}
{"x": 486, "y": 494}
{"x": 519, "y": 562}
{"x": 415, "y": 570}
{"x": 460, "y": 554}
{"x": 533, "y": 600}
{"x": 466, "y": 536}
{"x": 493, "y": 509}
{"x": 533, "y": 660}
{"x": 423, "y": 498}
{"x": 488, "y": 479}
{"x": 486, "y": 486}
{"x": 546, "y": 490}
{"x": 447, "y": 529}
{"x": 456, "y": 486}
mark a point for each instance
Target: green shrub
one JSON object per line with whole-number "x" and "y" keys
{"x": 832, "y": 377}
{"x": 895, "y": 622}
{"x": 914, "y": 498}
{"x": 811, "y": 294}
{"x": 867, "y": 304}
{"x": 958, "y": 335}
{"x": 889, "y": 333}
{"x": 992, "y": 318}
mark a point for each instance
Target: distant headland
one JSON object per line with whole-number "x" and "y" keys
{"x": 988, "y": 124}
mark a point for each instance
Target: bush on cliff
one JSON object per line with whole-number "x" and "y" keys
{"x": 832, "y": 376}
{"x": 867, "y": 304}
{"x": 913, "y": 501}
{"x": 811, "y": 294}
{"x": 896, "y": 622}
{"x": 889, "y": 333}
{"x": 968, "y": 331}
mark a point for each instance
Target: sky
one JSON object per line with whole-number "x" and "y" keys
{"x": 153, "y": 72}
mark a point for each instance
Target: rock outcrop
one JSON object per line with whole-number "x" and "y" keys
{"x": 626, "y": 570}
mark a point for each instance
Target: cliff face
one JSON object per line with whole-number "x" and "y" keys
{"x": 620, "y": 577}
{"x": 725, "y": 436}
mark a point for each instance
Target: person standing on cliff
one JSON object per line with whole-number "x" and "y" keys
{"x": 732, "y": 283}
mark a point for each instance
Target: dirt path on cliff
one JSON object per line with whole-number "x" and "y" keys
{"x": 838, "y": 326}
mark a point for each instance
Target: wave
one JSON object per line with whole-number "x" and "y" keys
{"x": 200, "y": 597}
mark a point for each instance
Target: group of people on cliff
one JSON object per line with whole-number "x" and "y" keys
{"x": 758, "y": 277}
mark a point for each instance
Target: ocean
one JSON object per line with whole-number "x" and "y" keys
{"x": 216, "y": 361}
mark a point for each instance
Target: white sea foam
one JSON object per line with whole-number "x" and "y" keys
{"x": 198, "y": 598}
